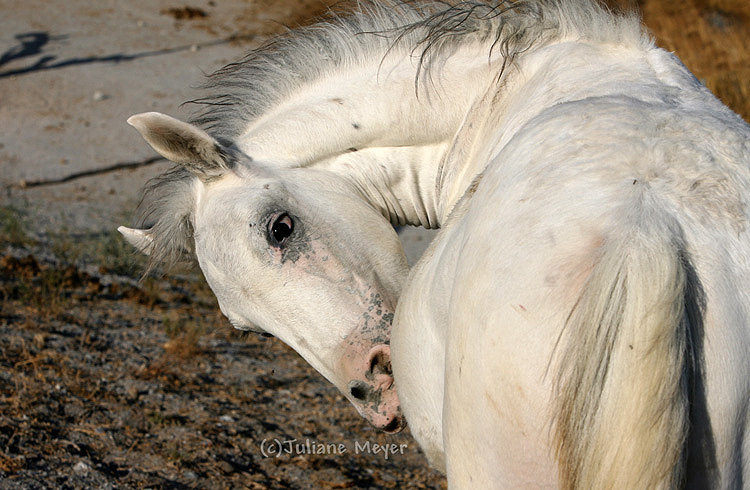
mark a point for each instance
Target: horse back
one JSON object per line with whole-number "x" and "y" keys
{"x": 528, "y": 242}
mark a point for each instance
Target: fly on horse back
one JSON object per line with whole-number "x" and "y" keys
{"x": 581, "y": 319}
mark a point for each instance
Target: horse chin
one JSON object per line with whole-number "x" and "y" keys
{"x": 384, "y": 421}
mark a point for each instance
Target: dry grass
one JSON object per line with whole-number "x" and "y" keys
{"x": 14, "y": 227}
{"x": 184, "y": 334}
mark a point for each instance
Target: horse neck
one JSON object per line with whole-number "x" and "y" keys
{"x": 398, "y": 181}
{"x": 414, "y": 150}
{"x": 384, "y": 126}
{"x": 570, "y": 71}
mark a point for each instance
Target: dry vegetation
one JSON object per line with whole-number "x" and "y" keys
{"x": 107, "y": 382}
{"x": 712, "y": 38}
{"x": 110, "y": 383}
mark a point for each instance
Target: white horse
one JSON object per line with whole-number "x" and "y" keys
{"x": 580, "y": 320}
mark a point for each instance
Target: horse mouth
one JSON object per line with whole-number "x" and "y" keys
{"x": 396, "y": 425}
{"x": 379, "y": 405}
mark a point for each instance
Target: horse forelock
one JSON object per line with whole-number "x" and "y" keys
{"x": 167, "y": 209}
{"x": 368, "y": 31}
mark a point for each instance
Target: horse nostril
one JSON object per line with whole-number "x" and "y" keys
{"x": 380, "y": 361}
{"x": 358, "y": 390}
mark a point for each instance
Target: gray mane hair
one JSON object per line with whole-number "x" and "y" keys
{"x": 366, "y": 31}
{"x": 167, "y": 209}
{"x": 361, "y": 32}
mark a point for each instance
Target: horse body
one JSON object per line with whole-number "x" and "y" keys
{"x": 496, "y": 310}
{"x": 580, "y": 319}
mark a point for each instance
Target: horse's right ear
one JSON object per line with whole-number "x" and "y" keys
{"x": 182, "y": 143}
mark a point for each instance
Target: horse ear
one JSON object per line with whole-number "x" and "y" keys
{"x": 182, "y": 143}
{"x": 140, "y": 239}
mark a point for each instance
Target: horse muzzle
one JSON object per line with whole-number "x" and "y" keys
{"x": 372, "y": 390}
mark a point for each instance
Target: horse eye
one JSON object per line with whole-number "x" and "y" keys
{"x": 280, "y": 229}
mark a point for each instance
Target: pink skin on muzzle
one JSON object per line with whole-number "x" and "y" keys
{"x": 366, "y": 364}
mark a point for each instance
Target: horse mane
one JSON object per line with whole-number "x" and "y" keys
{"x": 166, "y": 210}
{"x": 357, "y": 33}
{"x": 366, "y": 31}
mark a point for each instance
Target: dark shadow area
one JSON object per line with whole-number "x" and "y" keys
{"x": 29, "y": 44}
{"x": 89, "y": 173}
{"x": 700, "y": 460}
{"x": 33, "y": 43}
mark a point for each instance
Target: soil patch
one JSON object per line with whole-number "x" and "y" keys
{"x": 112, "y": 384}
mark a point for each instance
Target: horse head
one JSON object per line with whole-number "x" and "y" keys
{"x": 292, "y": 252}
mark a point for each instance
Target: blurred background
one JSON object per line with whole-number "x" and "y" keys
{"x": 712, "y": 37}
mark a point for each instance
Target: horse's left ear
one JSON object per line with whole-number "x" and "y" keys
{"x": 140, "y": 239}
{"x": 182, "y": 143}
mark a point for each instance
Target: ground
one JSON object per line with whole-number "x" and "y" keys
{"x": 111, "y": 382}
{"x": 105, "y": 383}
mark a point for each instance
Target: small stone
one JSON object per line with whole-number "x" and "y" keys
{"x": 81, "y": 468}
{"x": 131, "y": 392}
{"x": 99, "y": 96}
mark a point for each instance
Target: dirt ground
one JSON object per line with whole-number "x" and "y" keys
{"x": 108, "y": 382}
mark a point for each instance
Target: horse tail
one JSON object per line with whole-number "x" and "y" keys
{"x": 626, "y": 365}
